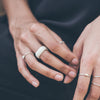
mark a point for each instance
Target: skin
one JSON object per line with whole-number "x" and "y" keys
{"x": 24, "y": 30}
{"x": 87, "y": 49}
{"x": 29, "y": 35}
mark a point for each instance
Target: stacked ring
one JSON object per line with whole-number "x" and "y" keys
{"x": 93, "y": 83}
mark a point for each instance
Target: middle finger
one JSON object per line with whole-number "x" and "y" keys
{"x": 47, "y": 39}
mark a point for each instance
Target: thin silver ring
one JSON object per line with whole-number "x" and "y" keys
{"x": 23, "y": 57}
{"x": 95, "y": 84}
{"x": 96, "y": 76}
{"x": 86, "y": 75}
{"x": 40, "y": 51}
{"x": 61, "y": 42}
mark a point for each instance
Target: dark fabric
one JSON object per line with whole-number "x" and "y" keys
{"x": 65, "y": 17}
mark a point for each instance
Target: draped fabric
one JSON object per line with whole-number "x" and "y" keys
{"x": 65, "y": 17}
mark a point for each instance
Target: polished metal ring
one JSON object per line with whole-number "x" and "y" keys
{"x": 96, "y": 76}
{"x": 40, "y": 51}
{"x": 93, "y": 83}
{"x": 61, "y": 42}
{"x": 86, "y": 75}
{"x": 23, "y": 57}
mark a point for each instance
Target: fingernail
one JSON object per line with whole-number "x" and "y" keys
{"x": 59, "y": 77}
{"x": 75, "y": 61}
{"x": 72, "y": 74}
{"x": 35, "y": 84}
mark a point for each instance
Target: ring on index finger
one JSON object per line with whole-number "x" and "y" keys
{"x": 85, "y": 75}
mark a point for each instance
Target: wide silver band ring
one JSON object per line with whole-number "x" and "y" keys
{"x": 86, "y": 75}
{"x": 93, "y": 83}
{"x": 40, "y": 51}
{"x": 23, "y": 57}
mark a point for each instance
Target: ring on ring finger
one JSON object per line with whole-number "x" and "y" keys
{"x": 23, "y": 57}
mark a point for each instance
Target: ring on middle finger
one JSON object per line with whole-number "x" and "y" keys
{"x": 40, "y": 51}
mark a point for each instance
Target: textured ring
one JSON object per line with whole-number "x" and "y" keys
{"x": 96, "y": 76}
{"x": 86, "y": 75}
{"x": 95, "y": 84}
{"x": 40, "y": 51}
{"x": 23, "y": 57}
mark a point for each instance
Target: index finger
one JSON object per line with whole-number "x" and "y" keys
{"x": 83, "y": 80}
{"x": 42, "y": 33}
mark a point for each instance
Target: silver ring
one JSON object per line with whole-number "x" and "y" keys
{"x": 86, "y": 75}
{"x": 95, "y": 84}
{"x": 96, "y": 76}
{"x": 23, "y": 57}
{"x": 40, "y": 51}
{"x": 61, "y": 42}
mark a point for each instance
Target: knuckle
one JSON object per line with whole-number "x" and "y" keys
{"x": 55, "y": 47}
{"x": 49, "y": 73}
{"x": 23, "y": 37}
{"x": 81, "y": 88}
{"x": 31, "y": 64}
{"x": 12, "y": 28}
{"x": 94, "y": 95}
{"x": 64, "y": 69}
{"x": 35, "y": 27}
{"x": 89, "y": 58}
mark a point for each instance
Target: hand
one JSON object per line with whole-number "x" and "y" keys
{"x": 29, "y": 36}
{"x": 87, "y": 49}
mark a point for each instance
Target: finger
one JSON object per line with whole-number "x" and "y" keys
{"x": 48, "y": 40}
{"x": 71, "y": 74}
{"x": 78, "y": 47}
{"x": 42, "y": 69}
{"x": 47, "y": 57}
{"x": 68, "y": 79}
{"x": 94, "y": 93}
{"x": 86, "y": 67}
{"x": 77, "y": 50}
{"x": 24, "y": 71}
{"x": 38, "y": 67}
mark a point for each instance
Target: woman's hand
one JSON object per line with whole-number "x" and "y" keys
{"x": 29, "y": 36}
{"x": 87, "y": 48}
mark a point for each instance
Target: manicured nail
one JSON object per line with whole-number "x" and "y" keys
{"x": 59, "y": 77}
{"x": 72, "y": 74}
{"x": 35, "y": 84}
{"x": 75, "y": 61}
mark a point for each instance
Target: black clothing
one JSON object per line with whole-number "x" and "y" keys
{"x": 65, "y": 17}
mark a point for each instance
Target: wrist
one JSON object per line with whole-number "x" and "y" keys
{"x": 16, "y": 9}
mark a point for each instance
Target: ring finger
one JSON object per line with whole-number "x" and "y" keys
{"x": 48, "y": 58}
{"x": 47, "y": 39}
{"x": 38, "y": 67}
